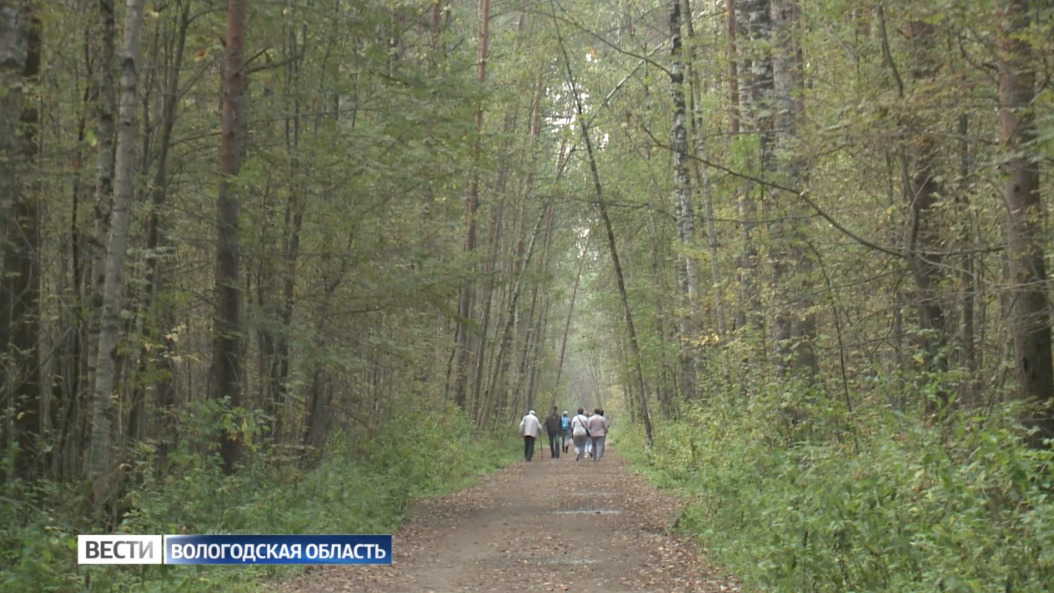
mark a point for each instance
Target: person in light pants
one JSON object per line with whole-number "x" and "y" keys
{"x": 579, "y": 434}
{"x": 565, "y": 432}
{"x": 598, "y": 429}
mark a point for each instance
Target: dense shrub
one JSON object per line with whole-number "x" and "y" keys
{"x": 875, "y": 501}
{"x": 362, "y": 485}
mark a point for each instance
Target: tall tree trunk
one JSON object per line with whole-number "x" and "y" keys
{"x": 923, "y": 193}
{"x": 467, "y": 291}
{"x": 440, "y": 17}
{"x": 687, "y": 269}
{"x": 104, "y": 412}
{"x": 69, "y": 399}
{"x": 498, "y": 215}
{"x": 1029, "y": 307}
{"x": 668, "y": 380}
{"x": 274, "y": 345}
{"x": 227, "y": 361}
{"x": 505, "y": 342}
{"x": 702, "y": 169}
{"x": 641, "y": 395}
{"x": 159, "y": 317}
{"x": 105, "y": 134}
{"x": 22, "y": 271}
{"x": 570, "y": 313}
{"x": 732, "y": 23}
{"x": 967, "y": 276}
{"x": 541, "y": 330}
{"x": 13, "y": 42}
{"x": 526, "y": 367}
{"x": 320, "y": 395}
{"x": 19, "y": 60}
{"x": 795, "y": 322}
{"x": 756, "y": 89}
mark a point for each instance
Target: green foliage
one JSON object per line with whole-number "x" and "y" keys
{"x": 362, "y": 485}
{"x": 35, "y": 541}
{"x": 885, "y": 503}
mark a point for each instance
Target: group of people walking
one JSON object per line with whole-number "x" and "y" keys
{"x": 585, "y": 431}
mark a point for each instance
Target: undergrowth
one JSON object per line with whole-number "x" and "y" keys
{"x": 826, "y": 501}
{"x": 361, "y": 485}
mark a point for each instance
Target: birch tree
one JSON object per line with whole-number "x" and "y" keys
{"x": 795, "y": 321}
{"x": 104, "y": 414}
{"x": 687, "y": 268}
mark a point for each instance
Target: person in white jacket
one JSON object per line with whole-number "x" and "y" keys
{"x": 580, "y": 433}
{"x": 530, "y": 428}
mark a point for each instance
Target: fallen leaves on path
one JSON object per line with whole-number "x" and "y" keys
{"x": 549, "y": 525}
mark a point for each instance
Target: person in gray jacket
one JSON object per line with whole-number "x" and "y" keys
{"x": 530, "y": 428}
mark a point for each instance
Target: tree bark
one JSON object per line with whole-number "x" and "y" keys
{"x": 319, "y": 417}
{"x": 702, "y": 169}
{"x": 1029, "y": 307}
{"x": 505, "y": 341}
{"x": 795, "y": 322}
{"x": 732, "y": 24}
{"x": 467, "y": 291}
{"x": 687, "y": 269}
{"x": 13, "y": 41}
{"x": 924, "y": 191}
{"x": 755, "y": 95}
{"x": 105, "y": 134}
{"x": 227, "y": 363}
{"x": 22, "y": 270}
{"x": 275, "y": 345}
{"x": 494, "y": 239}
{"x": 921, "y": 192}
{"x": 159, "y": 317}
{"x": 570, "y": 313}
{"x": 967, "y": 277}
{"x": 69, "y": 399}
{"x": 19, "y": 284}
{"x": 104, "y": 412}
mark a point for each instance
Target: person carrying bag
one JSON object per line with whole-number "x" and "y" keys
{"x": 579, "y": 433}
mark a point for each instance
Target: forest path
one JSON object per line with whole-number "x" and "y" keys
{"x": 547, "y": 525}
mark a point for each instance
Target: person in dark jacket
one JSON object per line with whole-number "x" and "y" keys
{"x": 554, "y": 430}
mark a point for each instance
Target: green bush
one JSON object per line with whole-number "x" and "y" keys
{"x": 361, "y": 485}
{"x": 877, "y": 501}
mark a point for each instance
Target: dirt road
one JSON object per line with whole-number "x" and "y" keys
{"x": 547, "y": 525}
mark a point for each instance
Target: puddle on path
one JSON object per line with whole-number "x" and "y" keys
{"x": 572, "y": 561}
{"x": 588, "y": 512}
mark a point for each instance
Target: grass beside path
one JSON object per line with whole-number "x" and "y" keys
{"x": 901, "y": 506}
{"x": 360, "y": 487}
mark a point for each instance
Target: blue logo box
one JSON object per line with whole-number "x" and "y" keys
{"x": 278, "y": 549}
